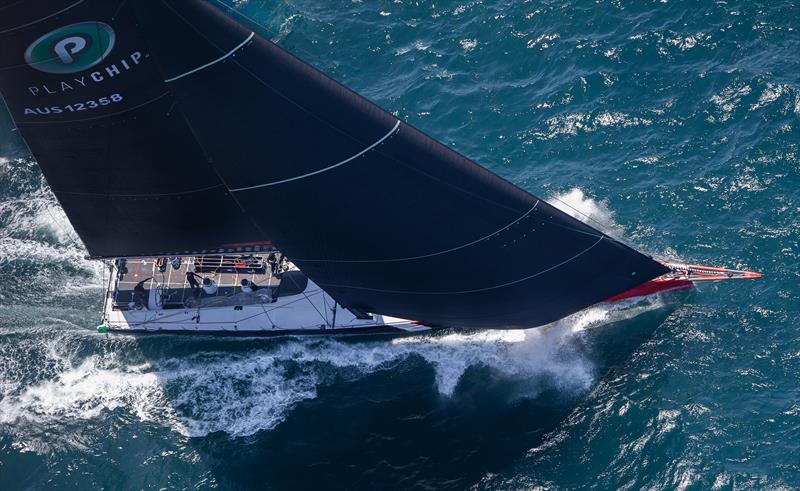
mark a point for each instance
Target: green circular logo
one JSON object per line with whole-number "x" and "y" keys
{"x": 71, "y": 48}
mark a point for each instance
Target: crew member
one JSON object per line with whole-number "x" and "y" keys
{"x": 248, "y": 286}
{"x": 122, "y": 268}
{"x": 191, "y": 277}
{"x": 140, "y": 294}
{"x": 209, "y": 286}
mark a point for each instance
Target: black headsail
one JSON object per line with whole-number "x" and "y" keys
{"x": 167, "y": 127}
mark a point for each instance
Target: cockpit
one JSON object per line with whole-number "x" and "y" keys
{"x": 203, "y": 281}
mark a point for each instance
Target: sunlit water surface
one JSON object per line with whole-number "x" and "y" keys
{"x": 672, "y": 125}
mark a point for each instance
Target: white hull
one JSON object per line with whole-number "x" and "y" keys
{"x": 311, "y": 312}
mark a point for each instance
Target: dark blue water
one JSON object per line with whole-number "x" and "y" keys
{"x": 673, "y": 125}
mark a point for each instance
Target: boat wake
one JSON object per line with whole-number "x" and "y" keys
{"x": 249, "y": 385}
{"x": 41, "y": 255}
{"x": 239, "y": 387}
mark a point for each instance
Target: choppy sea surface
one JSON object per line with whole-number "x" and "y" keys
{"x": 673, "y": 125}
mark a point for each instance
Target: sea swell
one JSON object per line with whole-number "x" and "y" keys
{"x": 670, "y": 125}
{"x": 243, "y": 390}
{"x": 67, "y": 374}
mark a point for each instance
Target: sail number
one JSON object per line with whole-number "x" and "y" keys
{"x": 76, "y": 107}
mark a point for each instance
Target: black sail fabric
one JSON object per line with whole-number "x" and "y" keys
{"x": 79, "y": 81}
{"x": 220, "y": 139}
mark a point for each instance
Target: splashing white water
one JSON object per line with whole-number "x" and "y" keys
{"x": 34, "y": 230}
{"x": 594, "y": 213}
{"x": 245, "y": 392}
{"x": 251, "y": 390}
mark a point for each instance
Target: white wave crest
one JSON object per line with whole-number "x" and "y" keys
{"x": 727, "y": 101}
{"x": 16, "y": 249}
{"x": 245, "y": 392}
{"x": 580, "y": 122}
{"x": 34, "y": 228}
{"x": 592, "y": 212}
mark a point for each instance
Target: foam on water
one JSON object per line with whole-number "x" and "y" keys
{"x": 38, "y": 245}
{"x": 32, "y": 250}
{"x": 249, "y": 390}
{"x": 245, "y": 392}
{"x": 581, "y": 207}
{"x": 728, "y": 101}
{"x": 581, "y": 122}
{"x": 685, "y": 113}
{"x": 252, "y": 390}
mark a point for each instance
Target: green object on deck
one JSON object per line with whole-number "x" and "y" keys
{"x": 102, "y": 329}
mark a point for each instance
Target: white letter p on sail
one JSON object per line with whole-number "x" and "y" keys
{"x": 68, "y": 47}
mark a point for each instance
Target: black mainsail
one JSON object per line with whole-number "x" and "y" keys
{"x": 167, "y": 127}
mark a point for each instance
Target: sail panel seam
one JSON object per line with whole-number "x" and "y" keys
{"x": 42, "y": 19}
{"x": 476, "y": 290}
{"x": 310, "y": 113}
{"x": 424, "y": 256}
{"x": 214, "y": 62}
{"x": 325, "y": 169}
{"x": 144, "y": 195}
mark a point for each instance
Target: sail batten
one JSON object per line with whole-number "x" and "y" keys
{"x": 41, "y": 19}
{"x": 476, "y": 290}
{"x": 167, "y": 127}
{"x": 324, "y": 169}
{"x": 201, "y": 67}
{"x": 427, "y": 255}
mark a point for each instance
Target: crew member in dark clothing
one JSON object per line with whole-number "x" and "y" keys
{"x": 272, "y": 260}
{"x": 140, "y": 294}
{"x": 122, "y": 268}
{"x": 191, "y": 277}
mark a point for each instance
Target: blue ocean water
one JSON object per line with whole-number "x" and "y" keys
{"x": 673, "y": 125}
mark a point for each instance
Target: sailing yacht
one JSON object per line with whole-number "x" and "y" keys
{"x": 187, "y": 150}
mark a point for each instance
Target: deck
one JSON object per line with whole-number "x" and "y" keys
{"x": 175, "y": 290}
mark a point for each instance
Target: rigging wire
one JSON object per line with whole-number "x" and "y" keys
{"x": 272, "y": 322}
{"x": 324, "y": 318}
{"x": 600, "y": 225}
